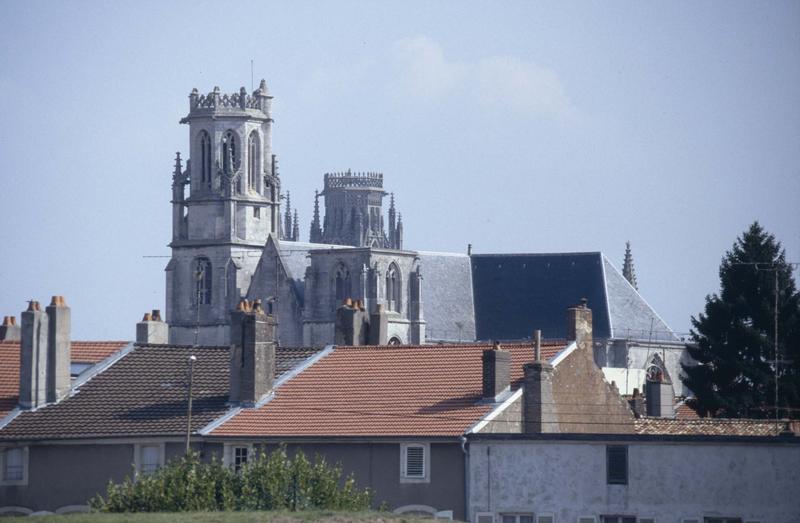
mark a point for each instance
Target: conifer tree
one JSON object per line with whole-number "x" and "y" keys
{"x": 734, "y": 336}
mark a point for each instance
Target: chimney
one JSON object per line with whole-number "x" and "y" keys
{"x": 33, "y": 357}
{"x": 659, "y": 397}
{"x": 538, "y": 407}
{"x": 496, "y": 372}
{"x": 9, "y": 330}
{"x": 637, "y": 404}
{"x": 579, "y": 324}
{"x": 352, "y": 324}
{"x": 379, "y": 326}
{"x": 58, "y": 349}
{"x": 151, "y": 330}
{"x": 252, "y": 364}
{"x": 537, "y": 345}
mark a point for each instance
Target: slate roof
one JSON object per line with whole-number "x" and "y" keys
{"x": 80, "y": 352}
{"x": 406, "y": 390}
{"x": 709, "y": 427}
{"x": 144, "y": 393}
{"x": 447, "y": 296}
{"x": 295, "y": 258}
{"x": 516, "y": 293}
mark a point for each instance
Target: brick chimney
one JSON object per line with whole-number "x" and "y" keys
{"x": 33, "y": 357}
{"x": 379, "y": 326}
{"x": 9, "y": 330}
{"x": 579, "y": 324}
{"x": 59, "y": 319}
{"x": 252, "y": 363}
{"x": 352, "y": 324}
{"x": 538, "y": 406}
{"x": 496, "y": 372}
{"x": 152, "y": 330}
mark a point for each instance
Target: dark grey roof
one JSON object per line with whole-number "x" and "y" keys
{"x": 516, "y": 293}
{"x": 295, "y": 258}
{"x": 447, "y": 296}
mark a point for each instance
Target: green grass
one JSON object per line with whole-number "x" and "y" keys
{"x": 230, "y": 517}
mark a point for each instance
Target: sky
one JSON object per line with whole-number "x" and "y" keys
{"x": 512, "y": 126}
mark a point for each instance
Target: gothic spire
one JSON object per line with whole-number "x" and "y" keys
{"x": 315, "y": 234}
{"x": 398, "y": 238}
{"x": 392, "y": 223}
{"x": 287, "y": 217}
{"x": 296, "y": 227}
{"x": 627, "y": 266}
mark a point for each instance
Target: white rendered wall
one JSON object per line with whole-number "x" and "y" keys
{"x": 667, "y": 481}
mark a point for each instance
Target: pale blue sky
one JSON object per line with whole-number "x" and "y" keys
{"x": 514, "y": 126}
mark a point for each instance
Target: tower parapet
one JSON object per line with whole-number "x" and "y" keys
{"x": 341, "y": 180}
{"x": 216, "y": 102}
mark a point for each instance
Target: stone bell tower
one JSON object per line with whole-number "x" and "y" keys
{"x": 225, "y": 203}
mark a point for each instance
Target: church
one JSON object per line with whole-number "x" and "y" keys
{"x": 231, "y": 239}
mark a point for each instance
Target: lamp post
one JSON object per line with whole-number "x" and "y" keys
{"x": 192, "y": 359}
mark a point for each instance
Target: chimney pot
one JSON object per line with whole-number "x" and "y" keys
{"x": 156, "y": 315}
{"x": 537, "y": 345}
{"x": 13, "y": 320}
{"x": 147, "y": 317}
{"x": 6, "y": 321}
{"x": 348, "y": 302}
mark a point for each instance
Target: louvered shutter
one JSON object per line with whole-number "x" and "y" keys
{"x": 415, "y": 461}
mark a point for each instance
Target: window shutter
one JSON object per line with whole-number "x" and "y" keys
{"x": 415, "y": 462}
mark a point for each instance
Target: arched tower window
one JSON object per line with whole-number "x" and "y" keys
{"x": 252, "y": 161}
{"x": 202, "y": 281}
{"x": 393, "y": 288}
{"x": 230, "y": 153}
{"x": 205, "y": 159}
{"x": 341, "y": 283}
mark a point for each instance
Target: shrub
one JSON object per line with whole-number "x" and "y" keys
{"x": 272, "y": 481}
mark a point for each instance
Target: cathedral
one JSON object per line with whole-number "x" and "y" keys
{"x": 231, "y": 240}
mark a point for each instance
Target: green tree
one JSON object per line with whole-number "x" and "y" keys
{"x": 734, "y": 337}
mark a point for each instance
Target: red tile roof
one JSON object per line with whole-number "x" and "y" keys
{"x": 81, "y": 352}
{"x": 374, "y": 391}
{"x": 686, "y": 410}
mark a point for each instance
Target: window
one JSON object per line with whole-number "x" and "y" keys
{"x": 617, "y": 465}
{"x": 205, "y": 160}
{"x": 516, "y": 518}
{"x": 230, "y": 153}
{"x": 393, "y": 288}
{"x": 203, "y": 279}
{"x": 617, "y": 519}
{"x": 14, "y": 465}
{"x": 252, "y": 161}
{"x": 414, "y": 466}
{"x": 148, "y": 457}
{"x": 240, "y": 455}
{"x": 256, "y": 212}
{"x": 341, "y": 284}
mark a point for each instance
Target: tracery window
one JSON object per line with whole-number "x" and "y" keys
{"x": 230, "y": 153}
{"x": 341, "y": 284}
{"x": 393, "y": 288}
{"x": 252, "y": 161}
{"x": 202, "y": 283}
{"x": 205, "y": 159}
